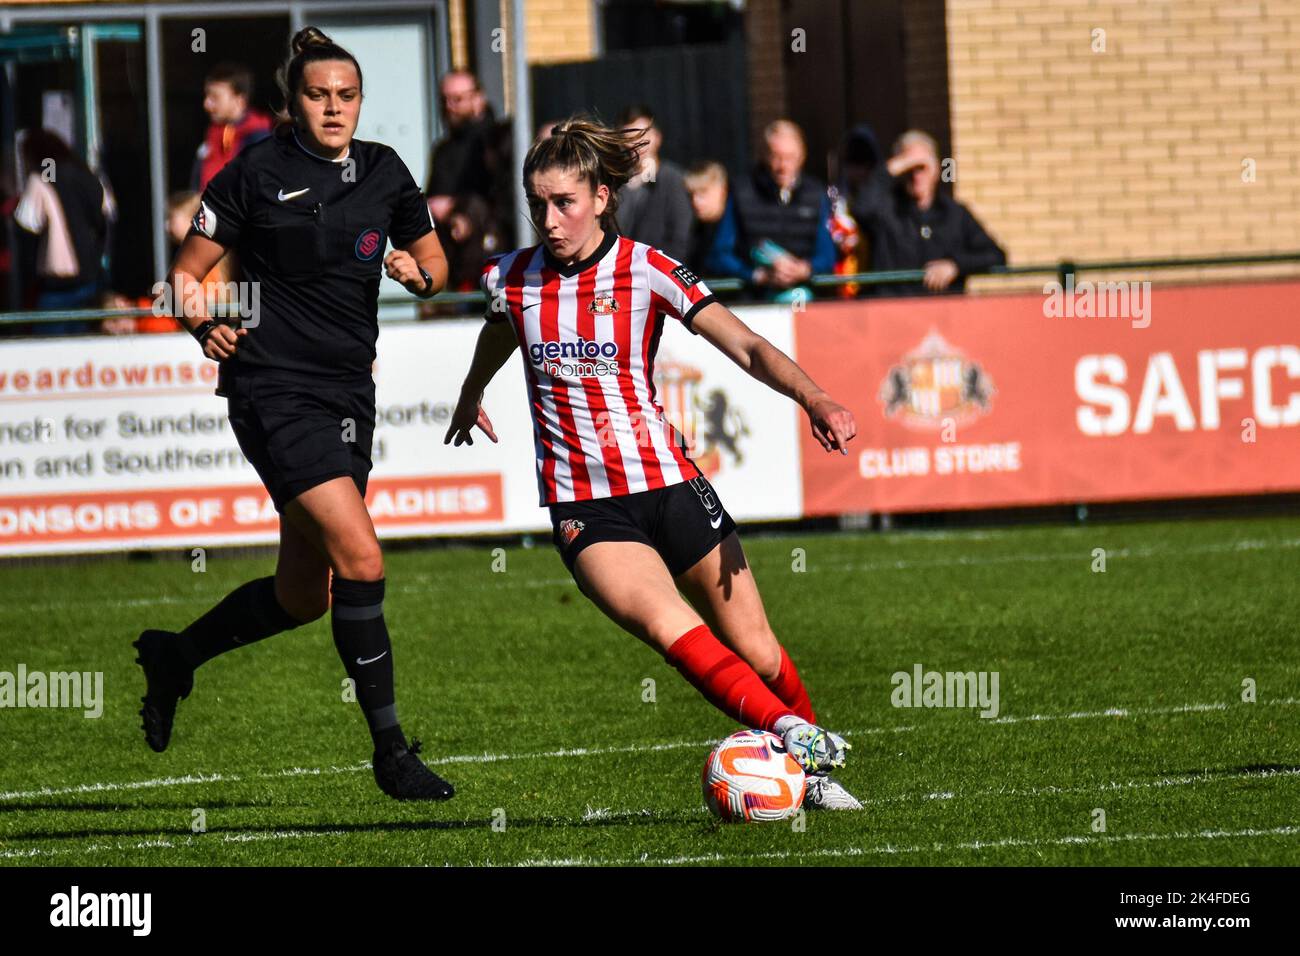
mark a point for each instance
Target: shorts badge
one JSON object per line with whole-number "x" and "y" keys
{"x": 569, "y": 529}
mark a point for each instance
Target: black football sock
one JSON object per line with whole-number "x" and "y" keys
{"x": 361, "y": 637}
{"x": 249, "y": 613}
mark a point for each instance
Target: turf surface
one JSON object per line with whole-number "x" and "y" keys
{"x": 1120, "y": 691}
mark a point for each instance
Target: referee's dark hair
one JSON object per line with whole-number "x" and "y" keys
{"x": 308, "y": 45}
{"x": 594, "y": 152}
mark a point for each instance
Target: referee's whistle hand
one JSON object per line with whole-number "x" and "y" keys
{"x": 401, "y": 266}
{"x": 222, "y": 342}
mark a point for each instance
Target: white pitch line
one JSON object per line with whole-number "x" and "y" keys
{"x": 891, "y": 850}
{"x": 125, "y": 785}
{"x": 166, "y": 844}
{"x": 578, "y": 752}
{"x": 1139, "y": 712}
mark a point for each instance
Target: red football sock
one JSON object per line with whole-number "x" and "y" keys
{"x": 790, "y": 689}
{"x": 726, "y": 681}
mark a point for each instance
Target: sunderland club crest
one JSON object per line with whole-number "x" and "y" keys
{"x": 934, "y": 383}
{"x": 710, "y": 424}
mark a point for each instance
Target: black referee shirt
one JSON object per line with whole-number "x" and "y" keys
{"x": 311, "y": 232}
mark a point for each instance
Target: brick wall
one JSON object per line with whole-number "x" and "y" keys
{"x": 1136, "y": 151}
{"x": 559, "y": 30}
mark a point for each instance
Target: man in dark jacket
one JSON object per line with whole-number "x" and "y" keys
{"x": 654, "y": 206}
{"x": 911, "y": 225}
{"x": 775, "y": 233}
{"x": 461, "y": 163}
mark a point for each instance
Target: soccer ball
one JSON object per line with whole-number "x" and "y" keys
{"x": 749, "y": 776}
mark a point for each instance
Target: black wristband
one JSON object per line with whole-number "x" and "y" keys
{"x": 203, "y": 330}
{"x": 428, "y": 281}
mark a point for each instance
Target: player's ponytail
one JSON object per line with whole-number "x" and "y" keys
{"x": 308, "y": 45}
{"x": 594, "y": 152}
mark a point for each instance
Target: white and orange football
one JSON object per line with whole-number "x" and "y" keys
{"x": 749, "y": 777}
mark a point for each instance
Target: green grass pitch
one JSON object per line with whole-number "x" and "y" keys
{"x": 1120, "y": 691}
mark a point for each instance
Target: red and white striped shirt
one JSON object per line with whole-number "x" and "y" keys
{"x": 589, "y": 333}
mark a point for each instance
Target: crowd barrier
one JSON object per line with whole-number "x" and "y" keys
{"x": 961, "y": 402}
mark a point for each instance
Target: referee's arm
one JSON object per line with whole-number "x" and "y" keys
{"x": 420, "y": 266}
{"x": 196, "y": 258}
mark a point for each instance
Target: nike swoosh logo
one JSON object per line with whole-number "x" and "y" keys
{"x": 282, "y": 195}
{"x": 372, "y": 660}
{"x": 716, "y": 524}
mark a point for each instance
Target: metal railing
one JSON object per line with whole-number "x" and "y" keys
{"x": 1060, "y": 269}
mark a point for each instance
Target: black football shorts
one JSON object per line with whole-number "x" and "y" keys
{"x": 299, "y": 434}
{"x": 683, "y": 522}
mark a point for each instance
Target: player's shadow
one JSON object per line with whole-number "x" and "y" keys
{"x": 393, "y": 826}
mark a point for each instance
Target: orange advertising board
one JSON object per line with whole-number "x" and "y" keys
{"x": 229, "y": 512}
{"x": 992, "y": 401}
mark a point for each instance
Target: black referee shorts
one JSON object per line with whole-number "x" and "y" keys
{"x": 682, "y": 522}
{"x": 299, "y": 434}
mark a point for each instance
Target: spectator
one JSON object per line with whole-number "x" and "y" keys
{"x": 912, "y": 225}
{"x": 775, "y": 233}
{"x": 470, "y": 239}
{"x": 858, "y": 157}
{"x": 461, "y": 163}
{"x": 233, "y": 124}
{"x": 653, "y": 207}
{"x": 471, "y": 189}
{"x": 706, "y": 184}
{"x": 69, "y": 209}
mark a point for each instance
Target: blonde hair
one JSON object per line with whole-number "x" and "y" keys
{"x": 916, "y": 136}
{"x": 784, "y": 127}
{"x": 706, "y": 172}
{"x": 594, "y": 152}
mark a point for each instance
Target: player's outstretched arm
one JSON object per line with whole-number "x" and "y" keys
{"x": 832, "y": 424}
{"x": 496, "y": 343}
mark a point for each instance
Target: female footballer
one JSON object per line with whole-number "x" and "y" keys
{"x": 633, "y": 518}
{"x": 308, "y": 212}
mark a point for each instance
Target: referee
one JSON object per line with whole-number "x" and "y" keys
{"x": 308, "y": 212}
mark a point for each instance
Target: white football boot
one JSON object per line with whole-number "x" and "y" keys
{"x": 826, "y": 793}
{"x": 814, "y": 748}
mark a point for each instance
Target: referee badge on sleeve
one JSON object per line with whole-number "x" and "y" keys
{"x": 205, "y": 220}
{"x": 685, "y": 276}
